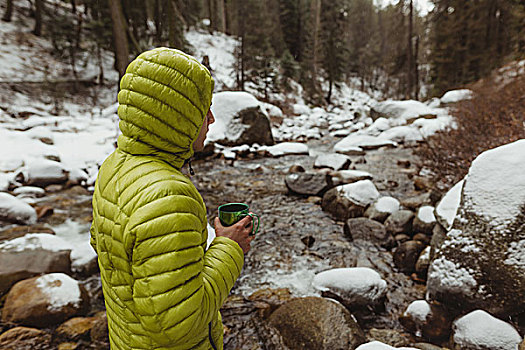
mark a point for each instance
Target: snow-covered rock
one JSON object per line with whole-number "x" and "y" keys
{"x": 481, "y": 263}
{"x": 43, "y": 172}
{"x": 362, "y": 192}
{"x": 425, "y": 220}
{"x": 448, "y": 206}
{"x": 15, "y": 210}
{"x": 307, "y": 183}
{"x": 382, "y": 208}
{"x": 480, "y": 330}
{"x": 456, "y": 96}
{"x": 333, "y": 161}
{"x": 44, "y": 301}
{"x": 350, "y": 200}
{"x": 402, "y": 134}
{"x": 285, "y": 148}
{"x": 357, "y": 287}
{"x": 426, "y": 321}
{"x": 401, "y": 112}
{"x": 363, "y": 141}
{"x": 239, "y": 119}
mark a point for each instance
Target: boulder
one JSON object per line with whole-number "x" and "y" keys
{"x": 425, "y": 220}
{"x": 407, "y": 254}
{"x": 308, "y": 184}
{"x": 401, "y": 112}
{"x": 239, "y": 119}
{"x": 316, "y": 323}
{"x": 44, "y": 301}
{"x": 418, "y": 201}
{"x": 400, "y": 222}
{"x": 382, "y": 208}
{"x": 427, "y": 321}
{"x": 24, "y": 338}
{"x": 481, "y": 263}
{"x": 355, "y": 287}
{"x": 15, "y": 210}
{"x": 285, "y": 148}
{"x": 481, "y": 331}
{"x": 99, "y": 332}
{"x": 368, "y": 230}
{"x": 76, "y": 328}
{"x": 333, "y": 161}
{"x": 438, "y": 237}
{"x": 349, "y": 201}
{"x": 32, "y": 255}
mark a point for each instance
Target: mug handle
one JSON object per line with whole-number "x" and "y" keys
{"x": 254, "y": 229}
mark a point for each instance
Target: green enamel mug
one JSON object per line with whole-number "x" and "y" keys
{"x": 230, "y": 213}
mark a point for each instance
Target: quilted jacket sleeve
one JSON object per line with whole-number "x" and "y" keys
{"x": 178, "y": 288}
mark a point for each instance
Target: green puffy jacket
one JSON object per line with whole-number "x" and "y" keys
{"x": 162, "y": 288}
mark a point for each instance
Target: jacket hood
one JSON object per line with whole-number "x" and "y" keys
{"x": 163, "y": 100}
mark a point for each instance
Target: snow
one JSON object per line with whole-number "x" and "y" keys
{"x": 376, "y": 345}
{"x": 14, "y": 208}
{"x": 361, "y": 140}
{"x": 495, "y": 184}
{"x": 387, "y": 204}
{"x": 60, "y": 290}
{"x": 285, "y": 148}
{"x": 356, "y": 285}
{"x": 331, "y": 160}
{"x": 29, "y": 191}
{"x": 78, "y": 237}
{"x": 481, "y": 330}
{"x": 448, "y": 206}
{"x": 5, "y": 180}
{"x": 456, "y": 96}
{"x": 361, "y": 192}
{"x": 451, "y": 277}
{"x": 220, "y": 50}
{"x": 426, "y": 214}
{"x": 516, "y": 254}
{"x": 418, "y": 310}
{"x": 34, "y": 241}
{"x": 70, "y": 235}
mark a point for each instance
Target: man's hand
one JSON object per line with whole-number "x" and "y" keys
{"x": 239, "y": 232}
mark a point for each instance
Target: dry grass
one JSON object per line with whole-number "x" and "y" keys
{"x": 495, "y": 116}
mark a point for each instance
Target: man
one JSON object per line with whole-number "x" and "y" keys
{"x": 162, "y": 289}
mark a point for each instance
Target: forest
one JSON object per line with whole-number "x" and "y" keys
{"x": 393, "y": 48}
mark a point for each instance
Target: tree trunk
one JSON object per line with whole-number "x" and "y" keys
{"x": 316, "y": 7}
{"x": 240, "y": 82}
{"x": 221, "y": 14}
{"x": 8, "y": 14}
{"x": 158, "y": 20}
{"x": 410, "y": 55}
{"x": 416, "y": 70}
{"x": 39, "y": 8}
{"x": 73, "y": 6}
{"x": 120, "y": 38}
{"x": 211, "y": 10}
